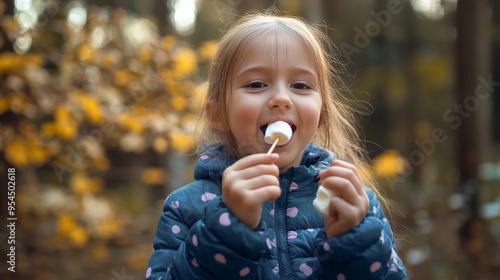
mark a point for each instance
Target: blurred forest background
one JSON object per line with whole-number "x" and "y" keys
{"x": 98, "y": 100}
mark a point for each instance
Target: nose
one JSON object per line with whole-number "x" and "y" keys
{"x": 280, "y": 98}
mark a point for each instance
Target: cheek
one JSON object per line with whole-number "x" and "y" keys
{"x": 315, "y": 114}
{"x": 242, "y": 116}
{"x": 244, "y": 110}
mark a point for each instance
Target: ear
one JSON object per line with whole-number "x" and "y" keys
{"x": 214, "y": 116}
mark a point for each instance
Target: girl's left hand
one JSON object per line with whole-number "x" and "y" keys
{"x": 350, "y": 202}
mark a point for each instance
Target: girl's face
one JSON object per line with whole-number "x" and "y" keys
{"x": 274, "y": 79}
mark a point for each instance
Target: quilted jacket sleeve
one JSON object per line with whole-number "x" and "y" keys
{"x": 208, "y": 249}
{"x": 368, "y": 251}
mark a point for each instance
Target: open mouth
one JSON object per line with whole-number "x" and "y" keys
{"x": 264, "y": 127}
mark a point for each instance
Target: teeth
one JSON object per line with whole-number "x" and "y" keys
{"x": 278, "y": 130}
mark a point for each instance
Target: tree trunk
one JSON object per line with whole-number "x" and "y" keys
{"x": 7, "y": 44}
{"x": 473, "y": 39}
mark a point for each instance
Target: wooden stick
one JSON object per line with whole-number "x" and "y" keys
{"x": 273, "y": 146}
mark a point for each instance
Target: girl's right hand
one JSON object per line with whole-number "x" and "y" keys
{"x": 248, "y": 183}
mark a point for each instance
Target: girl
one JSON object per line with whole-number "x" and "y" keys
{"x": 249, "y": 214}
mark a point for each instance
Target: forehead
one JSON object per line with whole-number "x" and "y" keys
{"x": 275, "y": 49}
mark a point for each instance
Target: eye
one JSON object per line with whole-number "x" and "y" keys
{"x": 256, "y": 85}
{"x": 300, "y": 86}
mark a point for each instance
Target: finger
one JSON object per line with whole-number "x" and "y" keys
{"x": 257, "y": 170}
{"x": 261, "y": 181}
{"x": 264, "y": 193}
{"x": 335, "y": 229}
{"x": 343, "y": 189}
{"x": 348, "y": 166}
{"x": 342, "y": 216}
{"x": 241, "y": 192}
{"x": 340, "y": 208}
{"x": 243, "y": 169}
{"x": 238, "y": 188}
{"x": 344, "y": 170}
{"x": 255, "y": 159}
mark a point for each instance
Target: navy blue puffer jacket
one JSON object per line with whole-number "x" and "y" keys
{"x": 198, "y": 237}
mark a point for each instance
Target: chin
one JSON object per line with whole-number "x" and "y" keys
{"x": 283, "y": 166}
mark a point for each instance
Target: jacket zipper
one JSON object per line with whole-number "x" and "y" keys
{"x": 285, "y": 265}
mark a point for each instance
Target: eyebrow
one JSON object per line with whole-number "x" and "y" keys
{"x": 294, "y": 70}
{"x": 253, "y": 69}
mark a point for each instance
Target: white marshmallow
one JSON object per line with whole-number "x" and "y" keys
{"x": 278, "y": 130}
{"x": 322, "y": 200}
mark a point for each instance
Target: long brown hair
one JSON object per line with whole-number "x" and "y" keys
{"x": 338, "y": 126}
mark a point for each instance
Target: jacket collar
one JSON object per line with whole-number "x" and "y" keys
{"x": 212, "y": 163}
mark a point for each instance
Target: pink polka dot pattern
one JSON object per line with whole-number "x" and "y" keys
{"x": 293, "y": 186}
{"x": 341, "y": 277}
{"x": 276, "y": 269}
{"x": 148, "y": 272}
{"x": 175, "y": 204}
{"x": 207, "y": 196}
{"x": 176, "y": 229}
{"x": 307, "y": 270}
{"x": 292, "y": 234}
{"x": 220, "y": 258}
{"x": 224, "y": 219}
{"x": 292, "y": 212}
{"x": 195, "y": 262}
{"x": 375, "y": 266}
{"x": 326, "y": 246}
{"x": 244, "y": 271}
{"x": 194, "y": 239}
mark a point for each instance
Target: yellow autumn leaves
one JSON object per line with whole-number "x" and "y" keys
{"x": 24, "y": 152}
{"x": 66, "y": 112}
{"x": 91, "y": 106}
{"x": 24, "y": 148}
{"x": 185, "y": 62}
{"x": 69, "y": 113}
{"x": 65, "y": 125}
{"x": 388, "y": 164}
{"x": 78, "y": 230}
{"x": 68, "y": 228}
{"x": 81, "y": 184}
{"x": 64, "y": 121}
{"x": 11, "y": 62}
